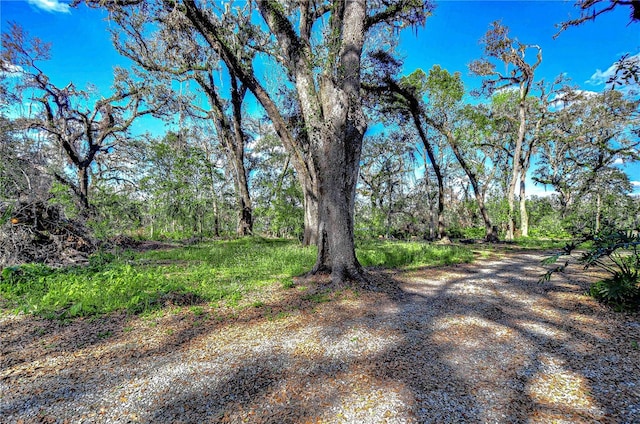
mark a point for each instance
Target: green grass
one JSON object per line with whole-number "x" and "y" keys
{"x": 213, "y": 272}
{"x": 541, "y": 243}
{"x": 410, "y": 255}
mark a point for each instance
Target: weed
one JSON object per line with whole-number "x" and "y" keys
{"x": 288, "y": 284}
{"x": 234, "y": 299}
{"x": 540, "y": 243}
{"x": 104, "y": 334}
{"x": 280, "y": 315}
{"x": 318, "y": 297}
{"x": 257, "y": 304}
{"x": 196, "y": 310}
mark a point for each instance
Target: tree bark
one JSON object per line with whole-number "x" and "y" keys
{"x": 524, "y": 216}
{"x": 310, "y": 204}
{"x": 517, "y": 154}
{"x": 338, "y": 172}
{"x": 83, "y": 187}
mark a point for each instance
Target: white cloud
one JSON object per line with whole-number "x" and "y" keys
{"x": 10, "y": 70}
{"x": 560, "y": 100}
{"x": 618, "y": 161}
{"x": 601, "y": 77}
{"x": 635, "y": 183}
{"x": 51, "y": 5}
{"x": 539, "y": 191}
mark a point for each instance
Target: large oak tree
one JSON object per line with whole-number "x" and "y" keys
{"x": 320, "y": 45}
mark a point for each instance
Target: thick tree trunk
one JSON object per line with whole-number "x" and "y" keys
{"x": 336, "y": 126}
{"x": 330, "y": 103}
{"x": 338, "y": 174}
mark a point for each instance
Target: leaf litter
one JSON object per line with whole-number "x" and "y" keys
{"x": 480, "y": 342}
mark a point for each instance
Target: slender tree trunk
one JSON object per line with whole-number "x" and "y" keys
{"x": 488, "y": 226}
{"x": 245, "y": 221}
{"x": 311, "y": 208}
{"x": 598, "y": 211}
{"x": 524, "y": 216}
{"x": 415, "y": 109}
{"x": 245, "y": 215}
{"x": 230, "y": 132}
{"x": 436, "y": 169}
{"x": 309, "y": 204}
{"x": 216, "y": 219}
{"x": 517, "y": 154}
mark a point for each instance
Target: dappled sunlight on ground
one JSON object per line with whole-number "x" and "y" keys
{"x": 480, "y": 342}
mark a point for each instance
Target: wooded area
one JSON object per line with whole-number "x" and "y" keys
{"x": 320, "y": 233}
{"x": 447, "y": 163}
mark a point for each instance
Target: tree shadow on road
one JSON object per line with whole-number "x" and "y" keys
{"x": 480, "y": 342}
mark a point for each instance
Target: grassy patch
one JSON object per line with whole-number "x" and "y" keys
{"x": 410, "y": 255}
{"x": 541, "y": 243}
{"x": 213, "y": 272}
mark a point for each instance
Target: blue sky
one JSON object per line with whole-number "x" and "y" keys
{"x": 82, "y": 51}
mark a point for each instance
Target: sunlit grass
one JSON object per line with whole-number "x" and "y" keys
{"x": 208, "y": 272}
{"x": 540, "y": 243}
{"x": 410, "y": 255}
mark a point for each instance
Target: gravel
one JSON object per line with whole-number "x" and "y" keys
{"x": 474, "y": 343}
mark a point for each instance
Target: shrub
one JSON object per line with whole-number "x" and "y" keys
{"x": 616, "y": 252}
{"x": 620, "y": 292}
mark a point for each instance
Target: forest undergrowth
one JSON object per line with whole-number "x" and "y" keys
{"x": 213, "y": 272}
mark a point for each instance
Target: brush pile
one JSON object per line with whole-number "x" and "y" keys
{"x": 38, "y": 232}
